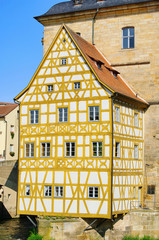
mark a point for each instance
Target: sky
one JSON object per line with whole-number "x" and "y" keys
{"x": 21, "y": 50}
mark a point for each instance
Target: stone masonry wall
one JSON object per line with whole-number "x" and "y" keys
{"x": 139, "y": 222}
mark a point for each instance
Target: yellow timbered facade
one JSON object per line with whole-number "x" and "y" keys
{"x": 81, "y": 135}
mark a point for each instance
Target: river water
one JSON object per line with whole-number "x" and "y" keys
{"x": 13, "y": 229}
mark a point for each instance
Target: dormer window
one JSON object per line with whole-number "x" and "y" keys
{"x": 99, "y": 65}
{"x": 77, "y": 2}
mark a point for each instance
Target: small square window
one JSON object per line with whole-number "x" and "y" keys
{"x": 151, "y": 189}
{"x": 58, "y": 191}
{"x": 47, "y": 191}
{"x": 93, "y": 192}
{"x": 63, "y": 61}
{"x": 117, "y": 149}
{"x": 27, "y": 190}
{"x": 77, "y": 85}
{"x": 49, "y": 88}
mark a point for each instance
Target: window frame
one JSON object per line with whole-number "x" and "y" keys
{"x": 49, "y": 190}
{"x": 46, "y": 149}
{"x": 93, "y": 197}
{"x": 78, "y": 84}
{"x": 59, "y": 191}
{"x": 117, "y": 149}
{"x": 30, "y": 156}
{"x": 136, "y": 121}
{"x": 136, "y": 154}
{"x": 63, "y": 115}
{"x": 117, "y": 114}
{"x": 11, "y": 147}
{"x": 50, "y": 86}
{"x": 94, "y": 113}
{"x": 70, "y": 149}
{"x": 63, "y": 61}
{"x": 97, "y": 142}
{"x": 34, "y": 116}
{"x": 27, "y": 185}
{"x": 128, "y": 37}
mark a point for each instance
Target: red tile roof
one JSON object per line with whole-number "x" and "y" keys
{"x": 6, "y": 108}
{"x": 105, "y": 73}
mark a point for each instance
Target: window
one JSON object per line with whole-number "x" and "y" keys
{"x": 78, "y": 33}
{"x": 11, "y": 148}
{"x": 63, "y": 61}
{"x": 18, "y": 114}
{"x": 45, "y": 149}
{"x": 117, "y": 114}
{"x": 117, "y": 149}
{"x": 34, "y": 116}
{"x": 136, "y": 151}
{"x": 64, "y": 40}
{"x": 70, "y": 149}
{"x": 128, "y": 37}
{"x": 12, "y": 128}
{"x": 151, "y": 189}
{"x": 58, "y": 191}
{"x": 63, "y": 114}
{"x": 49, "y": 88}
{"x": 27, "y": 190}
{"x": 29, "y": 149}
{"x": 47, "y": 191}
{"x": 94, "y": 113}
{"x": 97, "y": 149}
{"x": 77, "y": 85}
{"x": 136, "y": 117}
{"x": 93, "y": 192}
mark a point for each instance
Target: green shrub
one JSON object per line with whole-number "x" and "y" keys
{"x": 34, "y": 235}
{"x": 131, "y": 238}
{"x": 137, "y": 238}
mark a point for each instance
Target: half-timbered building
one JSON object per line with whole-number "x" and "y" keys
{"x": 81, "y": 135}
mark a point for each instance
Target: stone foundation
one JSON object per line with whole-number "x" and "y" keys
{"x": 139, "y": 222}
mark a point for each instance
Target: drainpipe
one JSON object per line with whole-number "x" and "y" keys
{"x": 93, "y": 21}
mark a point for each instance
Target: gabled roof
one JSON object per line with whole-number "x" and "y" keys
{"x": 104, "y": 74}
{"x": 70, "y": 7}
{"x": 6, "y": 108}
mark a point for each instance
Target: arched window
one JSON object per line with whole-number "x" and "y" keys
{"x": 128, "y": 37}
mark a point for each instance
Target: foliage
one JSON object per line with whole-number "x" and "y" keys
{"x": 12, "y": 154}
{"x": 34, "y": 235}
{"x": 137, "y": 238}
{"x": 12, "y": 134}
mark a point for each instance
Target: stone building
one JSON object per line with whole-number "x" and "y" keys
{"x": 127, "y": 33}
{"x": 9, "y": 131}
{"x": 9, "y": 140}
